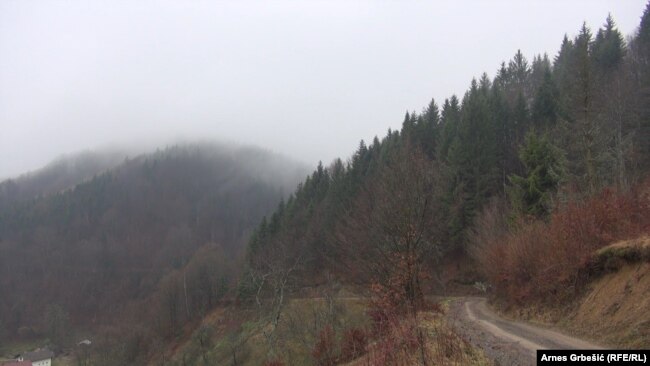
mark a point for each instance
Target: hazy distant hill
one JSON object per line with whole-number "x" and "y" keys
{"x": 94, "y": 249}
{"x": 62, "y": 173}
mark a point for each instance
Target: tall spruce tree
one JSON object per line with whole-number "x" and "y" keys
{"x": 641, "y": 48}
{"x": 450, "y": 118}
{"x": 428, "y": 129}
{"x": 612, "y": 106}
{"x": 545, "y": 108}
{"x": 608, "y": 48}
{"x": 583, "y": 130}
{"x": 531, "y": 193}
{"x": 473, "y": 158}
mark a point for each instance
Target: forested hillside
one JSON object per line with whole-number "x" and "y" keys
{"x": 544, "y": 133}
{"x": 110, "y": 250}
{"x": 200, "y": 255}
{"x": 537, "y": 132}
{"x": 63, "y": 173}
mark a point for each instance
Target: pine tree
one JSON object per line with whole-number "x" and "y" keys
{"x": 428, "y": 129}
{"x": 545, "y": 109}
{"x": 584, "y": 134}
{"x": 562, "y": 71}
{"x": 641, "y": 48}
{"x": 408, "y": 126}
{"x": 504, "y": 133}
{"x": 608, "y": 48}
{"x": 449, "y": 127}
{"x": 541, "y": 64}
{"x": 519, "y": 70}
{"x": 531, "y": 193}
{"x": 472, "y": 159}
{"x": 611, "y": 104}
{"x": 521, "y": 118}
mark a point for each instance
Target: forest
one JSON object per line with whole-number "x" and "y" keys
{"x": 524, "y": 177}
{"x": 110, "y": 251}
{"x": 538, "y": 136}
{"x": 526, "y": 174}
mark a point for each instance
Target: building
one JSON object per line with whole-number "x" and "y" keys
{"x": 40, "y": 357}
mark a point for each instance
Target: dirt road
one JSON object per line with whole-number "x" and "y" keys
{"x": 507, "y": 342}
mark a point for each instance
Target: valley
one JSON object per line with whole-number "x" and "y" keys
{"x": 509, "y": 218}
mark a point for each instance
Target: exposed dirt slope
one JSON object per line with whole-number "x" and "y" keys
{"x": 615, "y": 310}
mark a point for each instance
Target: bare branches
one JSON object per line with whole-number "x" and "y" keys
{"x": 394, "y": 226}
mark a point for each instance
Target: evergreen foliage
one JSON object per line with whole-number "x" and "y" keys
{"x": 536, "y": 127}
{"x": 531, "y": 194}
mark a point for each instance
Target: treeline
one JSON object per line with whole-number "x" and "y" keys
{"x": 63, "y": 173}
{"x": 538, "y": 134}
{"x": 154, "y": 242}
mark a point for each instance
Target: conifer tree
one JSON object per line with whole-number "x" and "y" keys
{"x": 641, "y": 48}
{"x": 449, "y": 120}
{"x": 585, "y": 134}
{"x": 502, "y": 124}
{"x": 531, "y": 193}
{"x": 428, "y": 129}
{"x": 541, "y": 64}
{"x": 545, "y": 108}
{"x": 519, "y": 71}
{"x": 472, "y": 158}
{"x": 608, "y": 48}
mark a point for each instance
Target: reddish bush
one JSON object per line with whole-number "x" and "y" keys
{"x": 380, "y": 321}
{"x": 324, "y": 351}
{"x": 434, "y": 307}
{"x": 354, "y": 344}
{"x": 551, "y": 260}
{"x": 398, "y": 346}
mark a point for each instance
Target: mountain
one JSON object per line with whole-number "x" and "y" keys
{"x": 192, "y": 255}
{"x": 96, "y": 252}
{"x": 63, "y": 173}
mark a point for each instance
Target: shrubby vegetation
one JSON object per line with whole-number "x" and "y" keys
{"x": 552, "y": 261}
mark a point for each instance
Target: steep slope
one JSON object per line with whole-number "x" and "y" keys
{"x": 614, "y": 307}
{"x": 99, "y": 251}
{"x": 536, "y": 136}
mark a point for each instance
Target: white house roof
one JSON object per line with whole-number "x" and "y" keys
{"x": 38, "y": 355}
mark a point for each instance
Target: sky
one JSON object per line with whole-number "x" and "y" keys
{"x": 308, "y": 79}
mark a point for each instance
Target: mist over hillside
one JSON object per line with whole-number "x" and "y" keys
{"x": 62, "y": 173}
{"x": 96, "y": 248}
{"x": 526, "y": 191}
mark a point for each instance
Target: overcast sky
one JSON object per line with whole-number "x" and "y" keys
{"x": 304, "y": 78}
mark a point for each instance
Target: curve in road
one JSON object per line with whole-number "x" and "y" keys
{"x": 516, "y": 341}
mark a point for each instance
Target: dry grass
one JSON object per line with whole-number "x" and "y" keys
{"x": 301, "y": 327}
{"x": 614, "y": 256}
{"x": 443, "y": 346}
{"x": 300, "y": 323}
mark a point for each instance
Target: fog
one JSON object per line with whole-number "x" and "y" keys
{"x": 305, "y": 79}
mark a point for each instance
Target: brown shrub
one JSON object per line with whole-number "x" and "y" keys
{"x": 354, "y": 344}
{"x": 324, "y": 351}
{"x": 551, "y": 260}
{"x": 399, "y": 345}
